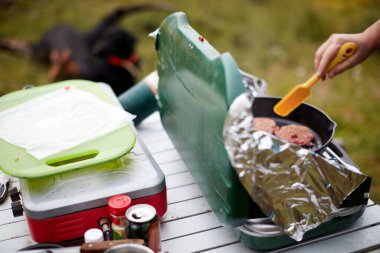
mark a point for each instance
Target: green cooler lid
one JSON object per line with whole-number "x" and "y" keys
{"x": 16, "y": 161}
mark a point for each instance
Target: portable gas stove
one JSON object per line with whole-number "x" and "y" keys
{"x": 196, "y": 88}
{"x": 63, "y": 206}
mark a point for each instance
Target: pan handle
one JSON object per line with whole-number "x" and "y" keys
{"x": 336, "y": 148}
{"x": 340, "y": 152}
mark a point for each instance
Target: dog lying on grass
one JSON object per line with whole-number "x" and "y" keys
{"x": 107, "y": 53}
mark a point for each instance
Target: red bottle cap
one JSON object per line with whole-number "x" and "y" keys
{"x": 117, "y": 205}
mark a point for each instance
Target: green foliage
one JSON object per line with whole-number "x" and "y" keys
{"x": 272, "y": 39}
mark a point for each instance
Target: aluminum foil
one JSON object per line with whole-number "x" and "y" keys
{"x": 295, "y": 187}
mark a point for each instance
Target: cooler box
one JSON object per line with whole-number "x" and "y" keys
{"x": 62, "y": 206}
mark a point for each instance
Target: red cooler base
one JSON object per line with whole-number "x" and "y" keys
{"x": 72, "y": 226}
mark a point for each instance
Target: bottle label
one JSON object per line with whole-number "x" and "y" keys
{"x": 118, "y": 235}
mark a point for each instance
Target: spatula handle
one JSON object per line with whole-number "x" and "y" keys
{"x": 345, "y": 51}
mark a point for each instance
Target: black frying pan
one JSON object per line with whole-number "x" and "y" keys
{"x": 322, "y": 125}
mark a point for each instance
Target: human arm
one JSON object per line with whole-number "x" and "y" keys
{"x": 367, "y": 42}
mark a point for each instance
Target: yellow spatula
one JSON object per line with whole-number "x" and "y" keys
{"x": 302, "y": 91}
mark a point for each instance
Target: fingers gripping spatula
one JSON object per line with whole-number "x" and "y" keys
{"x": 302, "y": 91}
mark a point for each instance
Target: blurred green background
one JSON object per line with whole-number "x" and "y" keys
{"x": 274, "y": 40}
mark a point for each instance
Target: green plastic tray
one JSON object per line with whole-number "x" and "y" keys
{"x": 15, "y": 161}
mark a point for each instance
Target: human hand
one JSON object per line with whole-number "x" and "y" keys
{"x": 366, "y": 42}
{"x": 327, "y": 51}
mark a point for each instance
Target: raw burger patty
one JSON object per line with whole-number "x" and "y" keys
{"x": 264, "y": 124}
{"x": 296, "y": 134}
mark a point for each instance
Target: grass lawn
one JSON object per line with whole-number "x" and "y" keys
{"x": 274, "y": 40}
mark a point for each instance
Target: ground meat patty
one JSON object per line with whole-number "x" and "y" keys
{"x": 264, "y": 124}
{"x": 296, "y": 134}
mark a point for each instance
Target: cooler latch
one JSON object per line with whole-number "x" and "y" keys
{"x": 16, "y": 204}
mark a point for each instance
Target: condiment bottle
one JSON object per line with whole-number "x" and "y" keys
{"x": 93, "y": 235}
{"x": 106, "y": 228}
{"x": 117, "y": 206}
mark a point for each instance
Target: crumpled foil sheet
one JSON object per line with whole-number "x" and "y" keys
{"x": 296, "y": 188}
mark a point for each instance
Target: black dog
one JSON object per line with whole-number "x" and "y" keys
{"x": 117, "y": 62}
{"x": 104, "y": 54}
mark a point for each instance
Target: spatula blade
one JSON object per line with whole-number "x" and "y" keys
{"x": 302, "y": 91}
{"x": 292, "y": 100}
